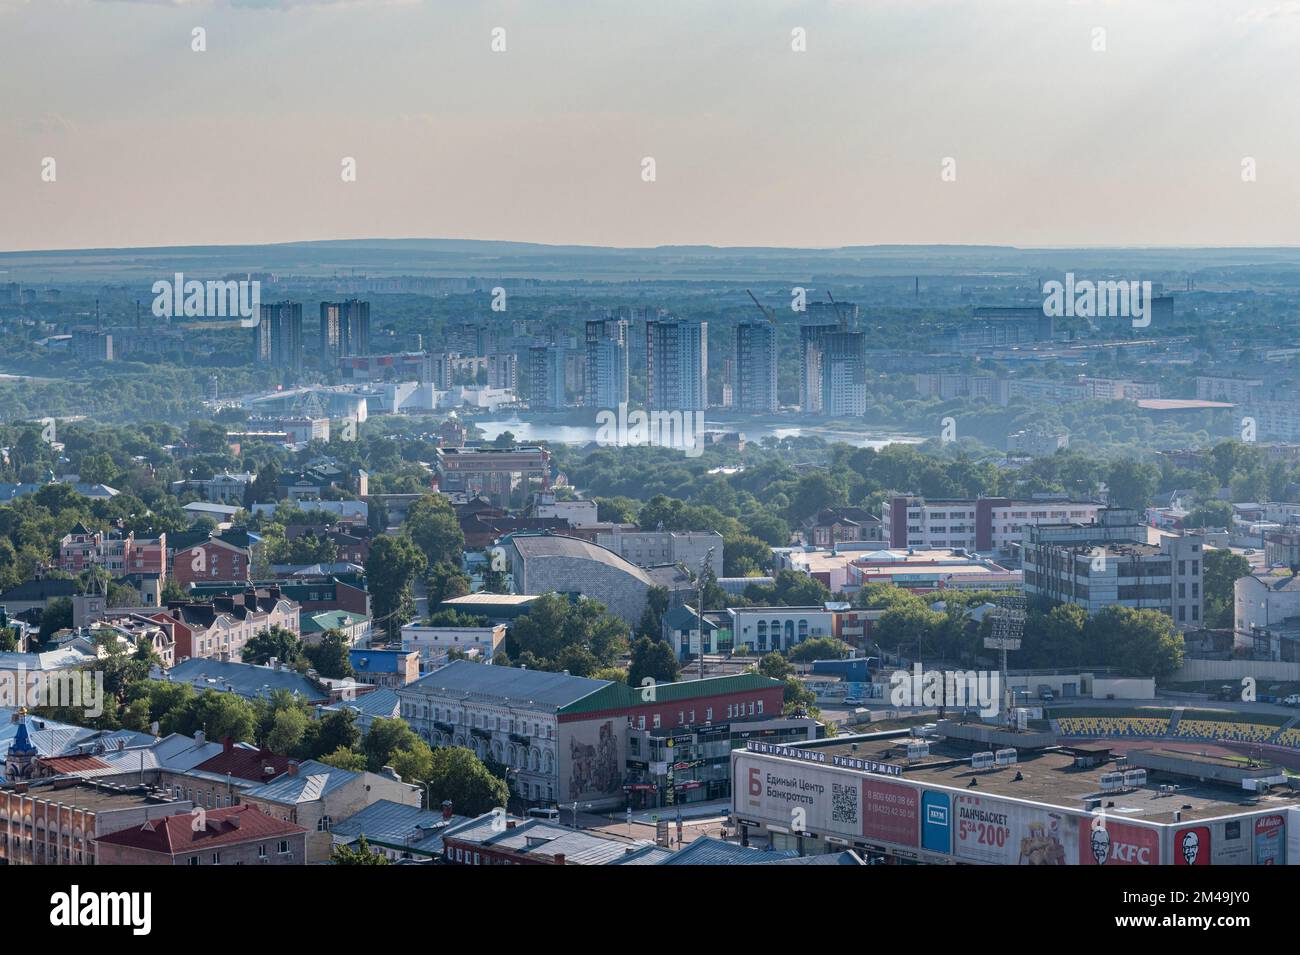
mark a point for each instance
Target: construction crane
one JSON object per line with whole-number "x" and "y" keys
{"x": 769, "y": 314}
{"x": 835, "y": 305}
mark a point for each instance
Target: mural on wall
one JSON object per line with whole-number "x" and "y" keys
{"x": 594, "y": 767}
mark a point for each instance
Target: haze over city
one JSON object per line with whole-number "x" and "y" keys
{"x": 1055, "y": 141}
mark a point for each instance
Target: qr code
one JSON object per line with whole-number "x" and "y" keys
{"x": 844, "y": 803}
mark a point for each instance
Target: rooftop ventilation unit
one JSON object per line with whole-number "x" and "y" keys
{"x": 1006, "y": 757}
{"x": 1112, "y": 782}
{"x": 981, "y": 761}
{"x": 1135, "y": 778}
{"x": 918, "y": 750}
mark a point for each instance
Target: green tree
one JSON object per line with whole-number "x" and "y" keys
{"x": 1142, "y": 643}
{"x": 358, "y": 854}
{"x": 819, "y": 648}
{"x": 1132, "y": 483}
{"x": 273, "y": 643}
{"x": 1222, "y": 570}
{"x": 775, "y": 665}
{"x": 458, "y": 775}
{"x": 218, "y": 714}
{"x": 393, "y": 563}
{"x": 288, "y": 728}
{"x": 331, "y": 657}
{"x": 446, "y": 581}
{"x": 431, "y": 523}
{"x": 651, "y": 659}
{"x": 386, "y": 737}
{"x": 334, "y": 731}
{"x": 344, "y": 758}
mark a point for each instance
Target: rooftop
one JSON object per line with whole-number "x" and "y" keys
{"x": 93, "y": 797}
{"x": 1049, "y": 776}
{"x": 540, "y": 546}
{"x": 174, "y": 835}
{"x": 465, "y": 679}
{"x": 311, "y": 781}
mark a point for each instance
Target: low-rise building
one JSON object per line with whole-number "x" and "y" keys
{"x": 434, "y": 644}
{"x": 119, "y": 554}
{"x": 387, "y": 668}
{"x": 399, "y": 832}
{"x": 238, "y": 835}
{"x": 314, "y": 795}
{"x": 49, "y": 822}
{"x": 245, "y": 679}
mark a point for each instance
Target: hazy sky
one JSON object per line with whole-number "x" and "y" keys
{"x": 754, "y": 144}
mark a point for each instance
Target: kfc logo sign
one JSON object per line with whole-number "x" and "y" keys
{"x": 1114, "y": 843}
{"x": 1192, "y": 846}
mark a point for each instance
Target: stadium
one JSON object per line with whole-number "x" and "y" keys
{"x": 1156, "y": 787}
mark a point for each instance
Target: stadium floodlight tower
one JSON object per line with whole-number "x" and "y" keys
{"x": 1006, "y": 627}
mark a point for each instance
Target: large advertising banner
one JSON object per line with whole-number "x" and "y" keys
{"x": 795, "y": 797}
{"x": 1270, "y": 840}
{"x": 997, "y": 832}
{"x": 1232, "y": 843}
{"x": 890, "y": 812}
{"x": 936, "y": 822}
{"x": 1103, "y": 841}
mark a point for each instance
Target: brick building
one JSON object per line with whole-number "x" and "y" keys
{"x": 117, "y": 553}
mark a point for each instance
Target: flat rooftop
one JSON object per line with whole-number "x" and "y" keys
{"x": 1050, "y": 777}
{"x": 101, "y": 798}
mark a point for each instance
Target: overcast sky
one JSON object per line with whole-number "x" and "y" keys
{"x": 1054, "y": 142}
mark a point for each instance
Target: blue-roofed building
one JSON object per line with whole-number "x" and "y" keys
{"x": 390, "y": 668}
{"x": 399, "y": 832}
{"x": 316, "y": 795}
{"x": 20, "y": 760}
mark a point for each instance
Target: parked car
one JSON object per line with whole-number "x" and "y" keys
{"x": 1292, "y": 700}
{"x": 853, "y": 701}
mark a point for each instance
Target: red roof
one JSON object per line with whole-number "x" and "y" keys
{"x": 69, "y": 765}
{"x": 191, "y": 832}
{"x": 244, "y": 763}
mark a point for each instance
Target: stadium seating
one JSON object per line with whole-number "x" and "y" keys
{"x": 1107, "y": 726}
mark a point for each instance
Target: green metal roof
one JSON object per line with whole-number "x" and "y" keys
{"x": 619, "y": 695}
{"x": 328, "y": 619}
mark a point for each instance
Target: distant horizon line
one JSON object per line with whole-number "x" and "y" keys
{"x": 811, "y": 249}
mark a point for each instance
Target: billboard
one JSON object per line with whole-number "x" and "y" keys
{"x": 797, "y": 796}
{"x": 1232, "y": 843}
{"x": 998, "y": 832}
{"x": 1103, "y": 841}
{"x": 819, "y": 799}
{"x": 936, "y": 822}
{"x": 1270, "y": 839}
{"x": 890, "y": 812}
